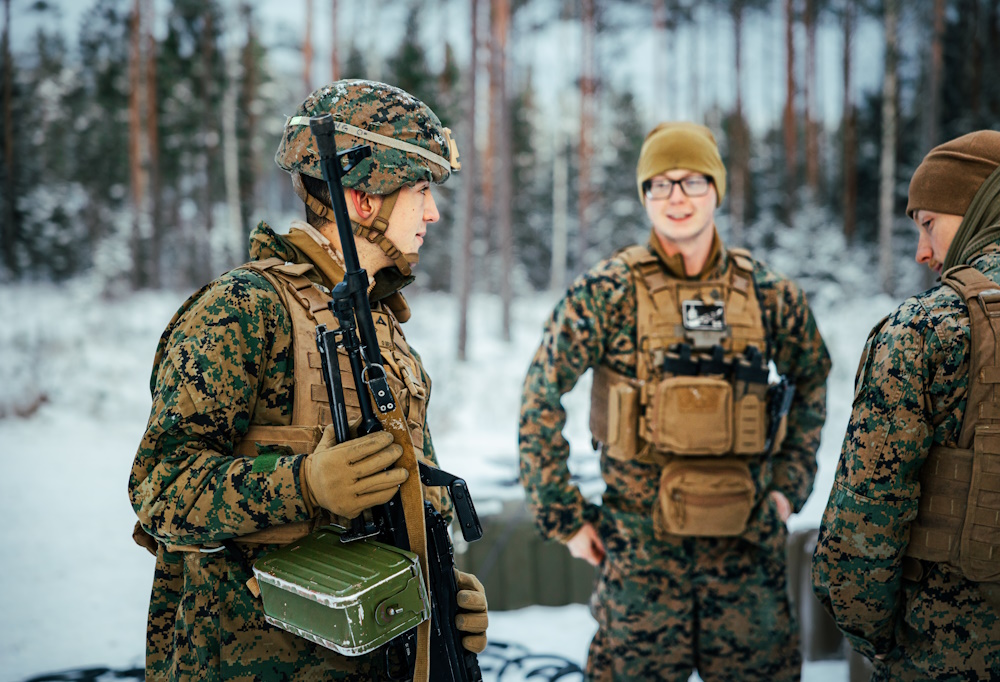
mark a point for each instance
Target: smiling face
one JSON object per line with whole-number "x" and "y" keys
{"x": 678, "y": 219}
{"x": 937, "y": 231}
{"x": 414, "y": 209}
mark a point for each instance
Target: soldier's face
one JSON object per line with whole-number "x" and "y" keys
{"x": 937, "y": 231}
{"x": 414, "y": 210}
{"x": 681, "y": 219}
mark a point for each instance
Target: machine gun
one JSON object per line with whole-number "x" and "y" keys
{"x": 356, "y": 336}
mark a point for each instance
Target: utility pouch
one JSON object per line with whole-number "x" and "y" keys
{"x": 749, "y": 425}
{"x": 705, "y": 497}
{"x": 690, "y": 416}
{"x": 614, "y": 414}
{"x": 979, "y": 551}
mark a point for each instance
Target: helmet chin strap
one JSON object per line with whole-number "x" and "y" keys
{"x": 374, "y": 233}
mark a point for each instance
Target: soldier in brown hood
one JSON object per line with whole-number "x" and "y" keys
{"x": 908, "y": 558}
{"x": 690, "y": 535}
{"x": 238, "y": 458}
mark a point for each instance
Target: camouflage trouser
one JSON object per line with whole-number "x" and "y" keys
{"x": 715, "y": 605}
{"x": 204, "y": 624}
{"x": 950, "y": 631}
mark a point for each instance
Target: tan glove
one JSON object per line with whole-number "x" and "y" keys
{"x": 347, "y": 478}
{"x": 472, "y": 618}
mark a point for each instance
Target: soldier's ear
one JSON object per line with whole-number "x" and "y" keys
{"x": 362, "y": 205}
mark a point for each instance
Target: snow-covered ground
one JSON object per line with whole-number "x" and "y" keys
{"x": 75, "y": 586}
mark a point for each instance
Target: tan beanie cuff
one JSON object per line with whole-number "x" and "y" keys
{"x": 951, "y": 173}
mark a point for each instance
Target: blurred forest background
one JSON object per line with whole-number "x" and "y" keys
{"x": 137, "y": 146}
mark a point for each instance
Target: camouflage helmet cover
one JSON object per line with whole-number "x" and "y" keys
{"x": 380, "y": 115}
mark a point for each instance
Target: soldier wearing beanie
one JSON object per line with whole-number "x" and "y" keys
{"x": 239, "y": 457}
{"x": 908, "y": 558}
{"x": 702, "y": 458}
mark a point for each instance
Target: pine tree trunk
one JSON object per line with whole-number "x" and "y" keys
{"x": 737, "y": 182}
{"x": 505, "y": 166}
{"x": 307, "y": 50}
{"x": 848, "y": 125}
{"x": 560, "y": 206}
{"x": 231, "y": 155}
{"x": 334, "y": 43}
{"x": 812, "y": 124}
{"x": 8, "y": 231}
{"x": 153, "y": 142}
{"x": 588, "y": 104}
{"x": 789, "y": 115}
{"x": 203, "y": 238}
{"x": 932, "y": 112}
{"x": 887, "y": 166}
{"x": 135, "y": 143}
{"x": 250, "y": 170}
{"x": 662, "y": 66}
{"x": 469, "y": 191}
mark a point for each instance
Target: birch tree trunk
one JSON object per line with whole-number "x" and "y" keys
{"x": 887, "y": 166}
{"x": 469, "y": 191}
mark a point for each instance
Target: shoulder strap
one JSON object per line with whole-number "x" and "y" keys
{"x": 982, "y": 297}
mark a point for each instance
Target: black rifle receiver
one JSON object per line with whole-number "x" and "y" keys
{"x": 356, "y": 335}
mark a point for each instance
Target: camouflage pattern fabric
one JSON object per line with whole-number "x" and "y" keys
{"x": 910, "y": 392}
{"x": 222, "y": 364}
{"x": 377, "y": 108}
{"x": 596, "y": 323}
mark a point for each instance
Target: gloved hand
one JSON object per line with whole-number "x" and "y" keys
{"x": 347, "y": 478}
{"x": 472, "y": 616}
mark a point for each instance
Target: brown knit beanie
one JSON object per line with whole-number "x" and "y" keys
{"x": 674, "y": 145}
{"x": 951, "y": 173}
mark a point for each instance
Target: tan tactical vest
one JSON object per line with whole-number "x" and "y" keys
{"x": 958, "y": 521}
{"x": 699, "y": 428}
{"x": 307, "y": 307}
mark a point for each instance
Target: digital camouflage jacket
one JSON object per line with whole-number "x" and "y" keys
{"x": 222, "y": 364}
{"x": 910, "y": 393}
{"x": 595, "y": 323}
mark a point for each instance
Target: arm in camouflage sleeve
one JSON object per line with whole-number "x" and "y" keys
{"x": 800, "y": 354}
{"x": 857, "y": 564}
{"x": 576, "y": 337}
{"x": 228, "y": 351}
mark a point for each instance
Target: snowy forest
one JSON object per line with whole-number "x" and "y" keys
{"x": 137, "y": 155}
{"x": 137, "y": 142}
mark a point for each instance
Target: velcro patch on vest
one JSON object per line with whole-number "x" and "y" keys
{"x": 699, "y": 316}
{"x": 383, "y": 330}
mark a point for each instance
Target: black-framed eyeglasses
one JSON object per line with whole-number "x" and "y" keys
{"x": 691, "y": 186}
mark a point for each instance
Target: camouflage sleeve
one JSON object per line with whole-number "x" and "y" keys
{"x": 575, "y": 338}
{"x": 226, "y": 352}
{"x": 857, "y": 564}
{"x": 800, "y": 354}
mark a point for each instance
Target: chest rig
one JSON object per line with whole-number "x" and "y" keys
{"x": 698, "y": 406}
{"x": 307, "y": 306}
{"x": 958, "y": 520}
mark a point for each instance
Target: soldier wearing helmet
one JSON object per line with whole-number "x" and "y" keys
{"x": 238, "y": 457}
{"x": 703, "y": 456}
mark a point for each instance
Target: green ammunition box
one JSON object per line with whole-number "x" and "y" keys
{"x": 350, "y": 597}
